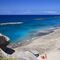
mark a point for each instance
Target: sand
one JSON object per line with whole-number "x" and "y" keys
{"x": 49, "y": 44}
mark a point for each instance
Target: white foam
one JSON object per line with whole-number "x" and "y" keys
{"x": 11, "y": 23}
{"x": 7, "y": 38}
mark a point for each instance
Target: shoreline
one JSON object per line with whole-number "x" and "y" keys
{"x": 38, "y": 34}
{"x": 44, "y": 44}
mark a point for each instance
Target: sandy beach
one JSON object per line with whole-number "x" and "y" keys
{"x": 49, "y": 44}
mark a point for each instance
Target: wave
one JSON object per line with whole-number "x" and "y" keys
{"x": 11, "y": 23}
{"x": 7, "y": 38}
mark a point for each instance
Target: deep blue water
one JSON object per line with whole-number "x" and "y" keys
{"x": 30, "y": 25}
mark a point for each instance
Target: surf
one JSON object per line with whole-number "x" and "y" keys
{"x": 11, "y": 23}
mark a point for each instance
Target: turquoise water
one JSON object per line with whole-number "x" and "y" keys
{"x": 19, "y": 32}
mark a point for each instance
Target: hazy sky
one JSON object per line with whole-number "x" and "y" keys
{"x": 29, "y": 7}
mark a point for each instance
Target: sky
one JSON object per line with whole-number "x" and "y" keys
{"x": 24, "y": 7}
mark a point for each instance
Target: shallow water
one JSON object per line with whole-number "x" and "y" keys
{"x": 31, "y": 24}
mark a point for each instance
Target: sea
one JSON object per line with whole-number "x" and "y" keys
{"x": 30, "y": 24}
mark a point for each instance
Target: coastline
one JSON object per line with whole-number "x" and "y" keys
{"x": 37, "y": 35}
{"x": 43, "y": 44}
{"x": 43, "y": 33}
